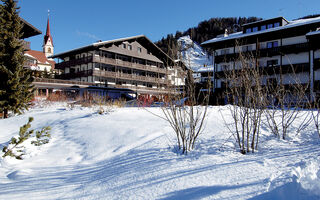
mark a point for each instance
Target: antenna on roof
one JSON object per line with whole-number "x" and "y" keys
{"x": 48, "y": 12}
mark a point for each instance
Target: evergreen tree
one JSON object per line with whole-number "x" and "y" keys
{"x": 16, "y": 90}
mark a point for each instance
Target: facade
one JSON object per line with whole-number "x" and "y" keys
{"x": 133, "y": 63}
{"x": 289, "y": 48}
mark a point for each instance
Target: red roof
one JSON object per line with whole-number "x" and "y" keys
{"x": 41, "y": 57}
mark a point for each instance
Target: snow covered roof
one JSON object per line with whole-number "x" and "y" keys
{"x": 313, "y": 33}
{"x": 239, "y": 35}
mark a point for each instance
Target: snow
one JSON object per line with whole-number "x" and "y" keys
{"x": 193, "y": 56}
{"x": 129, "y": 153}
{"x": 313, "y": 33}
{"x": 291, "y": 24}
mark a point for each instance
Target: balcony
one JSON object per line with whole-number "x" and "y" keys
{"x": 295, "y": 48}
{"x": 267, "y": 52}
{"x": 115, "y": 62}
{"x": 127, "y": 64}
{"x": 124, "y": 76}
{"x": 277, "y": 69}
{"x": 316, "y": 64}
{"x": 74, "y": 62}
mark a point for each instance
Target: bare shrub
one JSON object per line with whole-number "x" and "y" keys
{"x": 285, "y": 104}
{"x": 245, "y": 94}
{"x": 186, "y": 113}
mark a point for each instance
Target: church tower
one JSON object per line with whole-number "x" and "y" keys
{"x": 47, "y": 42}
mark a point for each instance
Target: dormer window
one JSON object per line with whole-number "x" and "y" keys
{"x": 277, "y": 24}
{"x": 263, "y": 27}
{"x": 254, "y": 29}
{"x": 248, "y": 30}
{"x": 124, "y": 46}
{"x": 270, "y": 25}
{"x": 139, "y": 49}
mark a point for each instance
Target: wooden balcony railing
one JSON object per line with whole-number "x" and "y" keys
{"x": 109, "y": 74}
{"x": 267, "y": 52}
{"x": 129, "y": 64}
{"x": 109, "y": 61}
{"x": 58, "y": 81}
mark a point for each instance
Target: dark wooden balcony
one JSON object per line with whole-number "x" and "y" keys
{"x": 295, "y": 48}
{"x": 127, "y": 64}
{"x": 268, "y": 52}
{"x": 124, "y": 76}
{"x": 277, "y": 69}
{"x": 316, "y": 63}
{"x": 80, "y": 61}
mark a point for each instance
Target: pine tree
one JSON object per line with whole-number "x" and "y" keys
{"x": 16, "y": 90}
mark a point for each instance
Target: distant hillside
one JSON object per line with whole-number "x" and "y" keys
{"x": 205, "y": 30}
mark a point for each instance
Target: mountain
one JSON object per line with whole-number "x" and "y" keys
{"x": 192, "y": 55}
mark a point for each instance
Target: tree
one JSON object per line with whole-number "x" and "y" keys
{"x": 16, "y": 90}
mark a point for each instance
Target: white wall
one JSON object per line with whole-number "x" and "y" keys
{"x": 295, "y": 58}
{"x": 317, "y": 54}
{"x": 294, "y": 40}
{"x": 293, "y": 79}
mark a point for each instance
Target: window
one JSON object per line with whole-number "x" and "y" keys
{"x": 254, "y": 29}
{"x": 270, "y": 25}
{"x": 275, "y": 44}
{"x": 129, "y": 47}
{"x": 277, "y": 24}
{"x": 124, "y": 46}
{"x": 272, "y": 44}
{"x": 248, "y": 30}
{"x": 139, "y": 49}
{"x": 272, "y": 63}
{"x": 49, "y": 50}
{"x": 263, "y": 27}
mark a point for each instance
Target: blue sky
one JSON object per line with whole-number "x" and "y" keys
{"x": 75, "y": 23}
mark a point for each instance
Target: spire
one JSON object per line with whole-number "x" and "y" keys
{"x": 48, "y": 35}
{"x": 48, "y": 42}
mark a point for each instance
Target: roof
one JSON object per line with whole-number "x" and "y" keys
{"x": 40, "y": 57}
{"x": 29, "y": 30}
{"x": 265, "y": 20}
{"x": 141, "y": 38}
{"x": 313, "y": 33}
{"x": 239, "y": 35}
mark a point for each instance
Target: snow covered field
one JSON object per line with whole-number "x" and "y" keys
{"x": 130, "y": 154}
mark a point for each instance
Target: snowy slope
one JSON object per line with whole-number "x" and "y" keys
{"x": 129, "y": 154}
{"x": 193, "y": 56}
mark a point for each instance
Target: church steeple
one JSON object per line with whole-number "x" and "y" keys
{"x": 47, "y": 42}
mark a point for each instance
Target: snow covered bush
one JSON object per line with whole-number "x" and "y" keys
{"x": 24, "y": 134}
{"x": 15, "y": 148}
{"x": 42, "y": 137}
